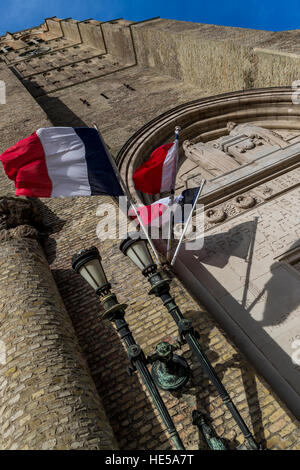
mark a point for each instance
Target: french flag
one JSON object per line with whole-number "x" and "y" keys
{"x": 158, "y": 213}
{"x": 61, "y": 162}
{"x": 154, "y": 213}
{"x": 158, "y": 174}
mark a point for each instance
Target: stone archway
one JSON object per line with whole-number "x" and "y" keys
{"x": 205, "y": 125}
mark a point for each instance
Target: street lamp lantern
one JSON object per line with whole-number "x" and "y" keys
{"x": 136, "y": 248}
{"x": 87, "y": 263}
{"x": 169, "y": 372}
{"x": 160, "y": 287}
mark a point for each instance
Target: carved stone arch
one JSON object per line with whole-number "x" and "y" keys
{"x": 205, "y": 120}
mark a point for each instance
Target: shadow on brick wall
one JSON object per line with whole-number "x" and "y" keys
{"x": 235, "y": 366}
{"x": 51, "y": 224}
{"x": 58, "y": 113}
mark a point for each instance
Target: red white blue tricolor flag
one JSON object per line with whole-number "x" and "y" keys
{"x": 61, "y": 162}
{"x": 158, "y": 174}
{"x": 158, "y": 213}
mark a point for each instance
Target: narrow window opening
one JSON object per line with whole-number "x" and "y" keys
{"x": 85, "y": 102}
{"x": 129, "y": 87}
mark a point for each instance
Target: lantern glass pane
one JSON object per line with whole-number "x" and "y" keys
{"x": 93, "y": 273}
{"x": 138, "y": 253}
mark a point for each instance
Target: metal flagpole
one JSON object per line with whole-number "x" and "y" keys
{"x": 203, "y": 181}
{"x": 129, "y": 197}
{"x": 171, "y": 225}
{"x": 171, "y": 201}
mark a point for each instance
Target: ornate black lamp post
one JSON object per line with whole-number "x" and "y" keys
{"x": 169, "y": 371}
{"x": 88, "y": 264}
{"x": 212, "y": 440}
{"x": 137, "y": 250}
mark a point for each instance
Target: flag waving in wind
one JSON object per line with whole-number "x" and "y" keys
{"x": 158, "y": 174}
{"x": 158, "y": 213}
{"x": 61, "y": 162}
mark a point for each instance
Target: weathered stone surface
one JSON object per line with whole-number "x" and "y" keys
{"x": 19, "y": 218}
{"x": 123, "y": 75}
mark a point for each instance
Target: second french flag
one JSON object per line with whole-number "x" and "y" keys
{"x": 158, "y": 174}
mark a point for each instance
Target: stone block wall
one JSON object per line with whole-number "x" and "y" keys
{"x": 21, "y": 115}
{"x": 54, "y": 26}
{"x": 269, "y": 64}
{"x": 217, "y": 58}
{"x": 70, "y": 30}
{"x": 119, "y": 41}
{"x": 91, "y": 34}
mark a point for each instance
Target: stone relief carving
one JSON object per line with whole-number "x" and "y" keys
{"x": 212, "y": 161}
{"x": 242, "y": 144}
{"x": 255, "y": 132}
{"x": 235, "y": 145}
{"x": 215, "y": 215}
{"x": 230, "y": 151}
{"x": 18, "y": 218}
{"x": 244, "y": 202}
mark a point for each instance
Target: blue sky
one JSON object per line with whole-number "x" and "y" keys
{"x": 259, "y": 14}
